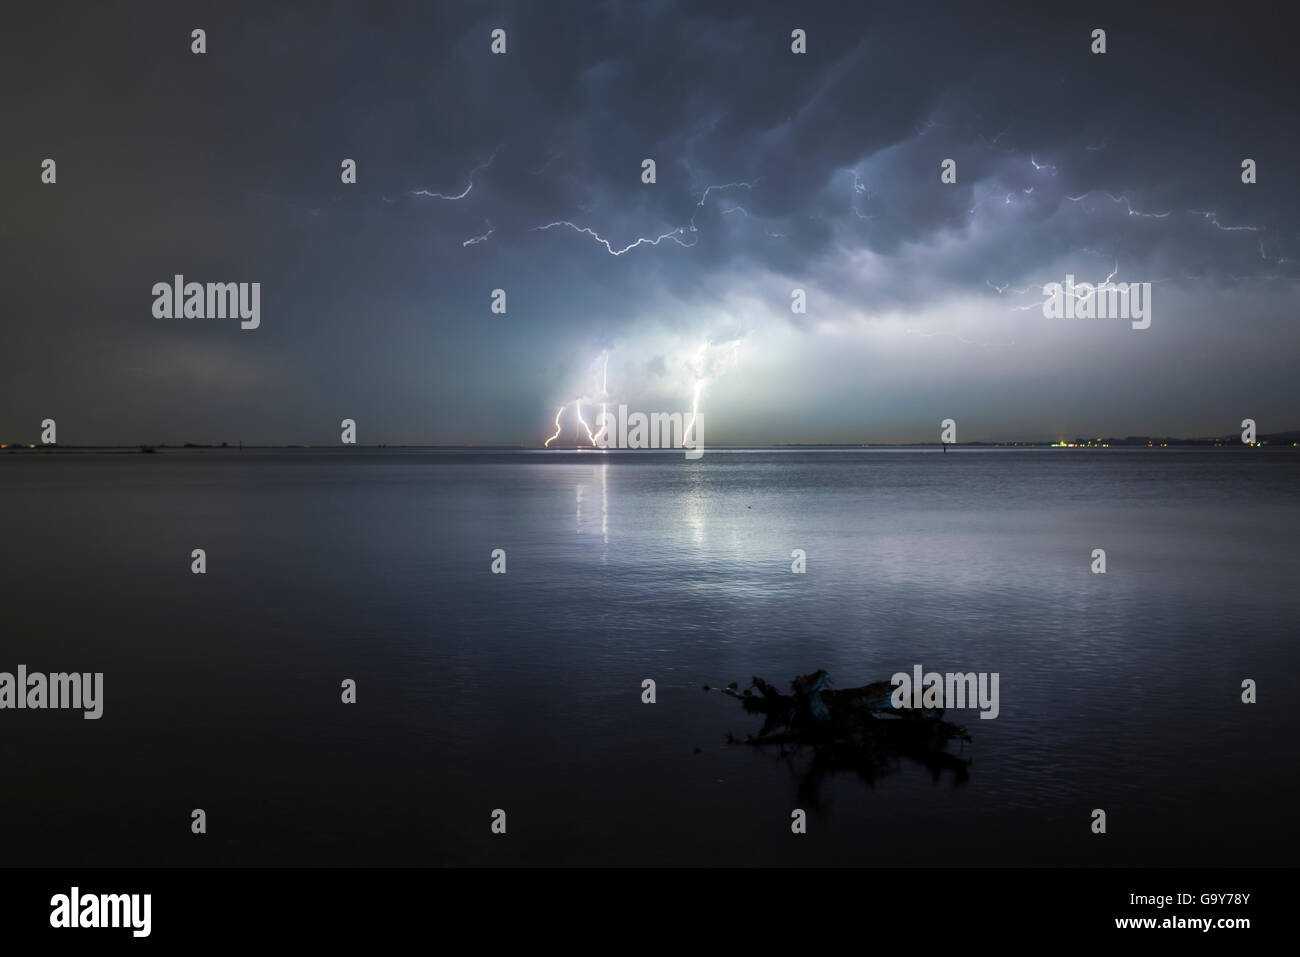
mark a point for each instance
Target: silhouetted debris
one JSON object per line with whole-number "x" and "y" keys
{"x": 849, "y": 729}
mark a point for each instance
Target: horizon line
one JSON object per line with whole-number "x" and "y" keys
{"x": 1291, "y": 436}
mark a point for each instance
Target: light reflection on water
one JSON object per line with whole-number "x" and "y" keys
{"x": 523, "y": 690}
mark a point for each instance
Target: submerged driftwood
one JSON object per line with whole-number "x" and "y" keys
{"x": 847, "y": 729}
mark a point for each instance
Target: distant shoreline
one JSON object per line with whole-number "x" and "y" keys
{"x": 1286, "y": 440}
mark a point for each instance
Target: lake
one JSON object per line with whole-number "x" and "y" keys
{"x": 523, "y": 691}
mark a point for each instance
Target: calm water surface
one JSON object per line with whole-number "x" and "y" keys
{"x": 523, "y": 691}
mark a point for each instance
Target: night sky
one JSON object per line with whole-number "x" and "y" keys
{"x": 775, "y": 171}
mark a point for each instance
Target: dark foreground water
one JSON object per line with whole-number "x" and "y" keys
{"x": 523, "y": 691}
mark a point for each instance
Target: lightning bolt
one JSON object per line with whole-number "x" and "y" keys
{"x": 465, "y": 192}
{"x": 475, "y": 240}
{"x": 604, "y": 394}
{"x": 1119, "y": 199}
{"x": 743, "y": 211}
{"x": 703, "y": 365}
{"x": 1102, "y": 286}
{"x": 577, "y": 404}
{"x": 674, "y": 235}
{"x": 695, "y": 409}
{"x": 705, "y": 195}
{"x": 1213, "y": 219}
{"x": 558, "y": 427}
{"x": 708, "y": 189}
{"x": 577, "y": 408}
{"x": 706, "y": 371}
{"x": 1269, "y": 259}
{"x": 1122, "y": 200}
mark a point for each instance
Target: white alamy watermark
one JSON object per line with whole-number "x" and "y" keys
{"x": 656, "y": 430}
{"x": 37, "y": 691}
{"x": 75, "y": 909}
{"x": 1105, "y": 300}
{"x": 179, "y": 299}
{"x": 931, "y": 690}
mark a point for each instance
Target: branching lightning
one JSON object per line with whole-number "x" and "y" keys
{"x": 704, "y": 364}
{"x": 1119, "y": 199}
{"x": 1079, "y": 297}
{"x": 577, "y": 410}
{"x": 465, "y": 192}
{"x": 674, "y": 235}
{"x": 709, "y": 189}
{"x": 1123, "y": 201}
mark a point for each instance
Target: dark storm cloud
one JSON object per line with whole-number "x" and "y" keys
{"x": 774, "y": 171}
